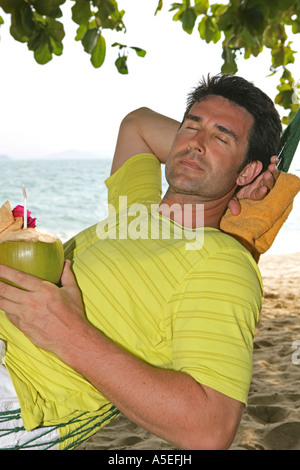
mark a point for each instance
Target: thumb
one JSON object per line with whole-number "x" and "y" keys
{"x": 234, "y": 206}
{"x": 68, "y": 279}
{"x": 69, "y": 283}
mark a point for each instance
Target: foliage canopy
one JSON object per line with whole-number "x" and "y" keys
{"x": 244, "y": 27}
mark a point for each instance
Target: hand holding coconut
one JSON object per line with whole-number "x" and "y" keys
{"x": 50, "y": 316}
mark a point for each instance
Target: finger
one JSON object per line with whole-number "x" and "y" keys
{"x": 10, "y": 293}
{"x": 7, "y": 306}
{"x": 268, "y": 180}
{"x": 274, "y": 159}
{"x": 67, "y": 278}
{"x": 69, "y": 282}
{"x": 273, "y": 167}
{"x": 261, "y": 192}
{"x": 21, "y": 279}
{"x": 234, "y": 206}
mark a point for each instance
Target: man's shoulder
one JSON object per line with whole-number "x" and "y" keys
{"x": 220, "y": 249}
{"x": 139, "y": 178}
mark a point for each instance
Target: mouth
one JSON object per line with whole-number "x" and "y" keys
{"x": 191, "y": 164}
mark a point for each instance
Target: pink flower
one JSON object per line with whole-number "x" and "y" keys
{"x": 18, "y": 211}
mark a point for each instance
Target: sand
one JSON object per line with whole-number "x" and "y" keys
{"x": 271, "y": 420}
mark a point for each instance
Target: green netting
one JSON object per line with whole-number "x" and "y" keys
{"x": 85, "y": 426}
{"x": 288, "y": 143}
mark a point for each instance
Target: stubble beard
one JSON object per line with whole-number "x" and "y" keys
{"x": 179, "y": 180}
{"x": 204, "y": 188}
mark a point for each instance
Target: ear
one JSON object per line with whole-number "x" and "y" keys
{"x": 249, "y": 173}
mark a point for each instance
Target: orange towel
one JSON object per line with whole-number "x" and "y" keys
{"x": 259, "y": 221}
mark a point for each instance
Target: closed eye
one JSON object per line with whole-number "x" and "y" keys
{"x": 221, "y": 139}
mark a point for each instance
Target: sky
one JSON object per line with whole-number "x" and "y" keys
{"x": 68, "y": 105}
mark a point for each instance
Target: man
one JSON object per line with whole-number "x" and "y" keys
{"x": 162, "y": 332}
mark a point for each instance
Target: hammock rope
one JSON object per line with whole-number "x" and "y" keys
{"x": 85, "y": 427}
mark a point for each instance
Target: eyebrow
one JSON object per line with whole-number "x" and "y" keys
{"x": 225, "y": 130}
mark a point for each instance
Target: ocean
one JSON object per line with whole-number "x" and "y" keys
{"x": 67, "y": 196}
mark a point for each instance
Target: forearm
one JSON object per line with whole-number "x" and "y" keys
{"x": 144, "y": 131}
{"x": 157, "y": 130}
{"x": 167, "y": 403}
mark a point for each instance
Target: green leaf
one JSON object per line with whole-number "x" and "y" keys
{"x": 271, "y": 35}
{"x": 81, "y": 12}
{"x": 48, "y": 7}
{"x": 107, "y": 7}
{"x": 227, "y": 19}
{"x": 201, "y": 7}
{"x": 42, "y": 53}
{"x": 110, "y": 18}
{"x": 34, "y": 41}
{"x": 1, "y": 20}
{"x": 10, "y": 5}
{"x": 188, "y": 18}
{"x": 284, "y": 98}
{"x": 22, "y": 24}
{"x": 208, "y": 30}
{"x": 81, "y": 30}
{"x": 296, "y": 25}
{"x": 254, "y": 20}
{"x": 282, "y": 55}
{"x": 89, "y": 40}
{"x": 55, "y": 32}
{"x": 121, "y": 64}
{"x": 98, "y": 54}
{"x": 176, "y": 6}
{"x": 55, "y": 46}
{"x": 277, "y": 55}
{"x": 55, "y": 29}
{"x": 229, "y": 65}
{"x": 159, "y": 7}
{"x": 140, "y": 52}
{"x": 117, "y": 44}
{"x": 249, "y": 39}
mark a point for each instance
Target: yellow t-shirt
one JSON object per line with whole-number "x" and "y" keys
{"x": 191, "y": 310}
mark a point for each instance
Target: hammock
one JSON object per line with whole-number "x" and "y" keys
{"x": 288, "y": 143}
{"x": 86, "y": 424}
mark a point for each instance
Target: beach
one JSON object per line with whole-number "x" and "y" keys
{"x": 271, "y": 420}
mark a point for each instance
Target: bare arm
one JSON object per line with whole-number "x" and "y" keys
{"x": 168, "y": 403}
{"x": 144, "y": 131}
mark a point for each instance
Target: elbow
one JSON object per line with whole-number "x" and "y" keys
{"x": 214, "y": 442}
{"x": 217, "y": 438}
{"x": 136, "y": 115}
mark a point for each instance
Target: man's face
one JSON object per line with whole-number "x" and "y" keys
{"x": 208, "y": 149}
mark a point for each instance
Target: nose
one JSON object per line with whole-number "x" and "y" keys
{"x": 197, "y": 141}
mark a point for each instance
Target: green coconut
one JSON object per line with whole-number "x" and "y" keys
{"x": 35, "y": 252}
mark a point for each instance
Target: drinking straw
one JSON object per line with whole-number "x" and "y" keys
{"x": 25, "y": 206}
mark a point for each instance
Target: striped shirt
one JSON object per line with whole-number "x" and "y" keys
{"x": 193, "y": 311}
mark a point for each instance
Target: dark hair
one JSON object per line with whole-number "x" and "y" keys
{"x": 265, "y": 134}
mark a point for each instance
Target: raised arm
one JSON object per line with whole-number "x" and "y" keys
{"x": 144, "y": 131}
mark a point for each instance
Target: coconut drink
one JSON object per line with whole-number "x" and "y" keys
{"x": 28, "y": 249}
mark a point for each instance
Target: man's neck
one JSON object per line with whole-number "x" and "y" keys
{"x": 186, "y": 209}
